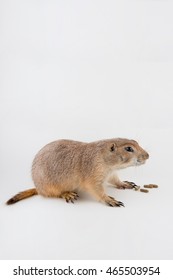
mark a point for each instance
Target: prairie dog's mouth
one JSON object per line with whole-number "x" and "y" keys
{"x": 139, "y": 162}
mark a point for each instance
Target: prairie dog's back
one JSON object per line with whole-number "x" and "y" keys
{"x": 56, "y": 160}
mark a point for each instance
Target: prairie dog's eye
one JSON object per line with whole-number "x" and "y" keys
{"x": 112, "y": 148}
{"x": 129, "y": 149}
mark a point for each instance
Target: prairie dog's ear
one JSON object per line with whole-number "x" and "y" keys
{"x": 112, "y": 147}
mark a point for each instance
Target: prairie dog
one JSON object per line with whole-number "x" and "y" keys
{"x": 62, "y": 167}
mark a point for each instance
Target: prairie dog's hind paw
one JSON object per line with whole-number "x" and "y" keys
{"x": 69, "y": 196}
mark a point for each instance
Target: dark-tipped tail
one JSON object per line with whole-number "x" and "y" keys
{"x": 22, "y": 195}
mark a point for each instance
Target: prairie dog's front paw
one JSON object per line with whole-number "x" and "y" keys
{"x": 124, "y": 185}
{"x": 112, "y": 202}
{"x": 131, "y": 185}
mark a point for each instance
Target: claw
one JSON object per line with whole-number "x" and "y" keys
{"x": 110, "y": 204}
{"x": 134, "y": 186}
{"x": 69, "y": 196}
{"x": 120, "y": 203}
{"x": 130, "y": 183}
{"x": 114, "y": 203}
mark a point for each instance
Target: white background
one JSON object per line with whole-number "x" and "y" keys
{"x": 86, "y": 70}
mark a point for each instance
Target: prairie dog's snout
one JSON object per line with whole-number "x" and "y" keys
{"x": 62, "y": 167}
{"x": 142, "y": 157}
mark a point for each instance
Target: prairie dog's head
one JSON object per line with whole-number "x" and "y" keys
{"x": 122, "y": 153}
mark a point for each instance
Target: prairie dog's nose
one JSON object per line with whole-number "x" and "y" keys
{"x": 145, "y": 156}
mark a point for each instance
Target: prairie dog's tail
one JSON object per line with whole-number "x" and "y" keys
{"x": 22, "y": 195}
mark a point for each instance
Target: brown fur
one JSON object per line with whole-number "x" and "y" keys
{"x": 22, "y": 195}
{"x": 64, "y": 166}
